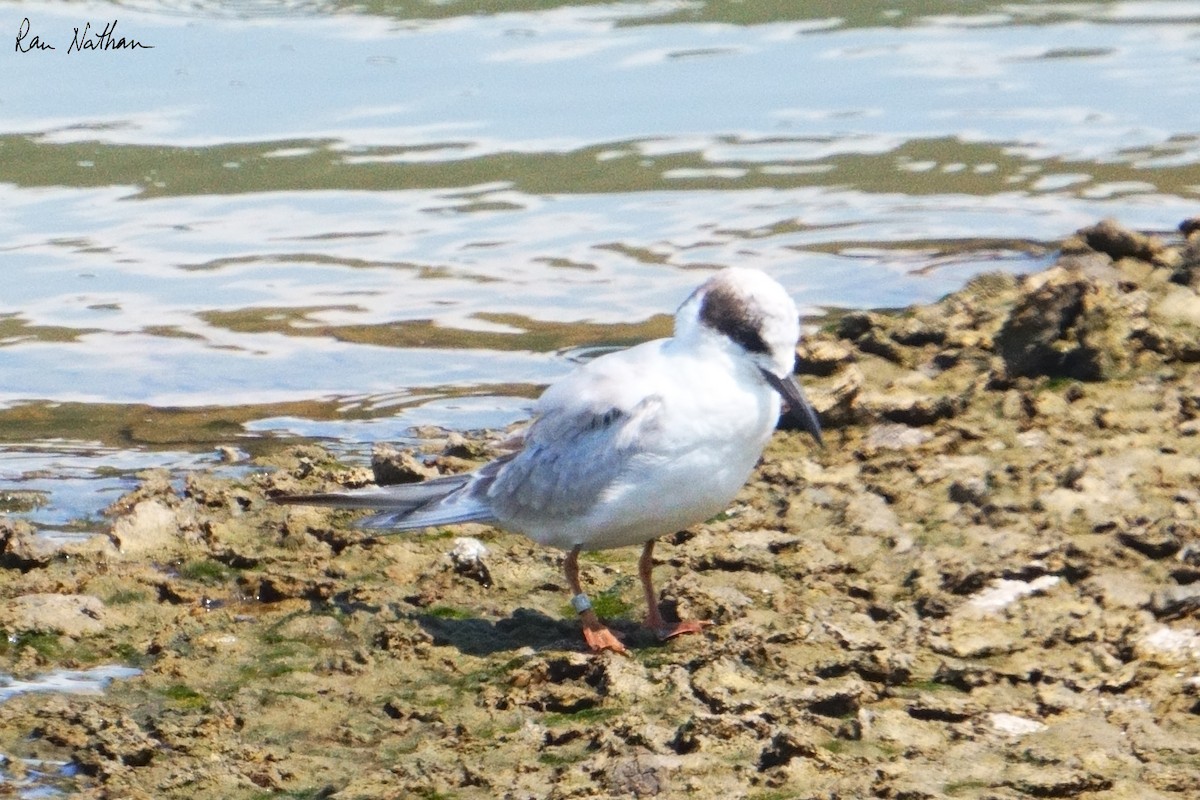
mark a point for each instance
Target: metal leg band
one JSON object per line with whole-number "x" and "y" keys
{"x": 581, "y": 603}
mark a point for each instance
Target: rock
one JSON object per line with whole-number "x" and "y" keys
{"x": 19, "y": 501}
{"x": 642, "y": 775}
{"x": 1173, "y": 602}
{"x": 875, "y": 343}
{"x": 230, "y": 455}
{"x": 459, "y": 446}
{"x": 467, "y": 558}
{"x": 1187, "y": 271}
{"x": 149, "y": 527}
{"x": 1001, "y": 604}
{"x": 317, "y": 630}
{"x": 1153, "y": 540}
{"x": 856, "y": 324}
{"x": 918, "y": 332}
{"x": 1116, "y": 241}
{"x": 870, "y": 514}
{"x": 20, "y": 546}
{"x": 973, "y": 490}
{"x": 837, "y": 405}
{"x": 627, "y": 681}
{"x": 895, "y": 436}
{"x": 782, "y": 748}
{"x": 1064, "y": 325}
{"x": 726, "y": 685}
{"x": 156, "y": 485}
{"x": 391, "y": 466}
{"x": 1179, "y": 306}
{"x": 109, "y": 741}
{"x": 819, "y": 356}
{"x": 1042, "y": 781}
{"x": 1013, "y": 725}
{"x": 909, "y": 408}
{"x": 67, "y": 614}
{"x": 1116, "y": 589}
{"x": 1028, "y": 340}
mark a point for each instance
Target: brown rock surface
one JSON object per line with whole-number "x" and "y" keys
{"x": 986, "y": 585}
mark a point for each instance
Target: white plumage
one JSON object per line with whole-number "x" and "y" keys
{"x": 633, "y": 445}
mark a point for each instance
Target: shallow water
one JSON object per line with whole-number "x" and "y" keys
{"x": 339, "y": 220}
{"x": 38, "y": 778}
{"x": 79, "y": 681}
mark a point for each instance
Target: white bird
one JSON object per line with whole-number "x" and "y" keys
{"x": 631, "y": 446}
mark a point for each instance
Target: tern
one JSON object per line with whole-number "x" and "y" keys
{"x": 630, "y": 446}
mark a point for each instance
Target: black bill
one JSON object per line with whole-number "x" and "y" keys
{"x": 798, "y": 406}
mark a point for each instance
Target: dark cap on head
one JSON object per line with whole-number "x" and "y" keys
{"x": 728, "y": 312}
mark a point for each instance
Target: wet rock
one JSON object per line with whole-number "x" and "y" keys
{"x": 820, "y": 356}
{"x": 782, "y": 748}
{"x": 214, "y": 492}
{"x": 149, "y": 527}
{"x": 837, "y": 405}
{"x": 856, "y": 324}
{"x": 467, "y": 558}
{"x": 910, "y": 408}
{"x": 1156, "y": 539}
{"x": 1043, "y": 781}
{"x": 459, "y": 446}
{"x": 1117, "y": 242}
{"x": 999, "y": 603}
{"x": 21, "y": 548}
{"x": 1065, "y": 326}
{"x": 727, "y": 686}
{"x": 1029, "y": 339}
{"x": 870, "y": 514}
{"x": 16, "y": 501}
{"x": 1173, "y": 602}
{"x": 895, "y": 436}
{"x": 391, "y": 466}
{"x": 156, "y": 485}
{"x": 642, "y": 775}
{"x": 973, "y": 490}
{"x": 68, "y": 614}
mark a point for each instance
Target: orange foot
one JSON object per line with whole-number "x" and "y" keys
{"x": 669, "y": 630}
{"x": 600, "y": 638}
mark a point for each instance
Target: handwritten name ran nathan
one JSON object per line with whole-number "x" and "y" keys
{"x": 85, "y": 39}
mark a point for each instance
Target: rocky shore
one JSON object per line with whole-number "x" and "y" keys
{"x": 986, "y": 585}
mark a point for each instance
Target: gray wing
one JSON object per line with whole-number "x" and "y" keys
{"x": 572, "y": 454}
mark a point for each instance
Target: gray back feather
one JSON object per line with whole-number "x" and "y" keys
{"x": 571, "y": 456}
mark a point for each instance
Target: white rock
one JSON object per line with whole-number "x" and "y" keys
{"x": 1002, "y": 592}
{"x": 1012, "y": 725}
{"x": 468, "y": 550}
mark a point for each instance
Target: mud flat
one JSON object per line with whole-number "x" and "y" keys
{"x": 986, "y": 585}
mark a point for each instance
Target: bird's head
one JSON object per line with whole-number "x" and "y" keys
{"x": 757, "y": 317}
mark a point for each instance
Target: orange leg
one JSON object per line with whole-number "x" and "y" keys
{"x": 597, "y": 636}
{"x": 654, "y": 619}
